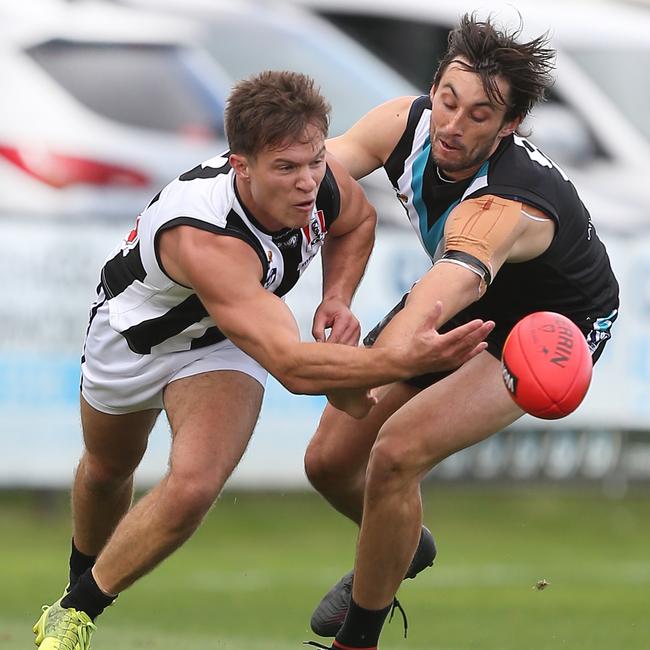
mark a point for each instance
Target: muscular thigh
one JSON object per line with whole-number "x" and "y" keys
{"x": 212, "y": 416}
{"x": 466, "y": 407}
{"x": 116, "y": 441}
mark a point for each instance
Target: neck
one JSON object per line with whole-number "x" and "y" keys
{"x": 459, "y": 175}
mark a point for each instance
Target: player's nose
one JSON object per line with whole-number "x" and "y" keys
{"x": 306, "y": 181}
{"x": 455, "y": 124}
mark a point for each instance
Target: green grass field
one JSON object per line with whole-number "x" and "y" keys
{"x": 250, "y": 577}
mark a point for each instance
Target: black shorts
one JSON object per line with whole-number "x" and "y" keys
{"x": 596, "y": 331}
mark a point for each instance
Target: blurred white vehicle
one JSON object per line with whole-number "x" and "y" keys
{"x": 245, "y": 37}
{"x": 110, "y": 100}
{"x": 595, "y": 123}
{"x": 101, "y": 107}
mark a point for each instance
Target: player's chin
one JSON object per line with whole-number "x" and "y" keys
{"x": 300, "y": 218}
{"x": 452, "y": 164}
{"x": 448, "y": 159}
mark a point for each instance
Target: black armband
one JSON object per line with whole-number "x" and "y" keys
{"x": 469, "y": 262}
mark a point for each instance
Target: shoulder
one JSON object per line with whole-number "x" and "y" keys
{"x": 205, "y": 192}
{"x": 399, "y": 107}
{"x": 520, "y": 170}
{"x": 412, "y": 135}
{"x": 391, "y": 116}
{"x": 368, "y": 143}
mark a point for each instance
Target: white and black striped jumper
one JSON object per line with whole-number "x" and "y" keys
{"x": 157, "y": 315}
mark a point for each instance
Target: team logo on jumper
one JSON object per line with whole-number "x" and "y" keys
{"x": 316, "y": 230}
{"x": 601, "y": 330}
{"x": 131, "y": 240}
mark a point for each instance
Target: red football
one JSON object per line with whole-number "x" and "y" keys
{"x": 546, "y": 365}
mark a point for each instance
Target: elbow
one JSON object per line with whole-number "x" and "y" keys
{"x": 287, "y": 372}
{"x": 289, "y": 364}
{"x": 298, "y": 385}
{"x": 291, "y": 383}
{"x": 470, "y": 294}
{"x": 482, "y": 288}
{"x": 371, "y": 217}
{"x": 370, "y": 222}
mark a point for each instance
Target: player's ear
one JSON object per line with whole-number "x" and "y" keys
{"x": 432, "y": 92}
{"x": 240, "y": 164}
{"x": 509, "y": 127}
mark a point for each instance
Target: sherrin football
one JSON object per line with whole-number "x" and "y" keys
{"x": 546, "y": 365}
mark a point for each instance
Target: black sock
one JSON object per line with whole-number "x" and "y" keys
{"x": 87, "y": 597}
{"x": 79, "y": 563}
{"x": 362, "y": 627}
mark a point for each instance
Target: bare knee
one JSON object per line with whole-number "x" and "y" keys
{"x": 332, "y": 465}
{"x": 191, "y": 496}
{"x": 393, "y": 465}
{"x": 102, "y": 475}
{"x": 320, "y": 466}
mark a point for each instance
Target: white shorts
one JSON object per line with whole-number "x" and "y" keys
{"x": 116, "y": 380}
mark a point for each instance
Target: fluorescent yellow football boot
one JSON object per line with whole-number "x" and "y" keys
{"x": 63, "y": 629}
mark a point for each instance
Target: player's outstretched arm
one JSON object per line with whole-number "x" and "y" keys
{"x": 480, "y": 235}
{"x": 226, "y": 273}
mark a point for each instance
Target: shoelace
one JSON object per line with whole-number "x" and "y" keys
{"x": 70, "y": 632}
{"x": 396, "y": 606}
{"x": 84, "y": 635}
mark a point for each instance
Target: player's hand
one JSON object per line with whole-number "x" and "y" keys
{"x": 356, "y": 402}
{"x": 335, "y": 315}
{"x": 435, "y": 352}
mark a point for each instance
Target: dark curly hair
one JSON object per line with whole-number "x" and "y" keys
{"x": 492, "y": 52}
